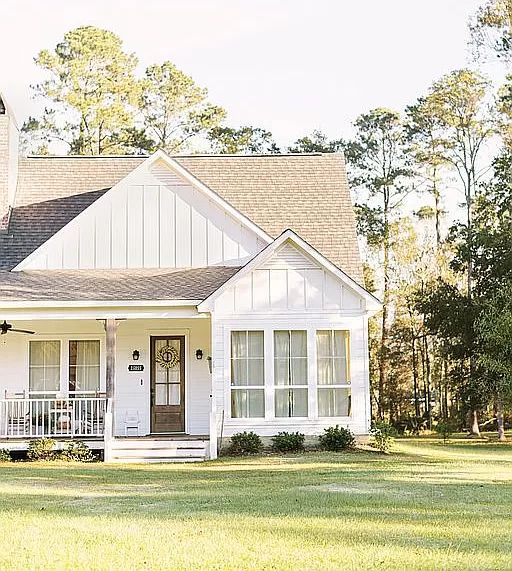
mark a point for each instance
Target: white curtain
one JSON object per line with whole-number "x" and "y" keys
{"x": 44, "y": 366}
{"x": 84, "y": 365}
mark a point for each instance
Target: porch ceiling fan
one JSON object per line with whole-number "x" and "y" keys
{"x": 6, "y": 327}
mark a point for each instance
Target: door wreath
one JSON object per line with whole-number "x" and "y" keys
{"x": 167, "y": 357}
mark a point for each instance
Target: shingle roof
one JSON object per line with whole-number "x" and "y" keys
{"x": 307, "y": 193}
{"x": 113, "y": 285}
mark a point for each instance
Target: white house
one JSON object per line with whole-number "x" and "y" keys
{"x": 175, "y": 301}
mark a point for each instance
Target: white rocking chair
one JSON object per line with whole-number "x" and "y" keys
{"x": 131, "y": 421}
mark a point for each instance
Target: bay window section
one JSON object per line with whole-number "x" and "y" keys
{"x": 84, "y": 366}
{"x": 291, "y": 373}
{"x": 333, "y": 373}
{"x": 44, "y": 368}
{"x": 247, "y": 374}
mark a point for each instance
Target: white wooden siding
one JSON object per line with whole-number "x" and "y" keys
{"x": 289, "y": 280}
{"x": 155, "y": 221}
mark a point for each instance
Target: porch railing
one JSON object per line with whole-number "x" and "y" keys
{"x": 79, "y": 417}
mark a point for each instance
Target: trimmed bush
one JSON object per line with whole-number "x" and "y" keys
{"x": 337, "y": 438}
{"x": 383, "y": 436}
{"x": 42, "y": 449}
{"x": 288, "y": 442}
{"x": 5, "y": 455}
{"x": 244, "y": 443}
{"x": 77, "y": 451}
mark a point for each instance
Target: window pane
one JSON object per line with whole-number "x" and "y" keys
{"x": 324, "y": 371}
{"x": 174, "y": 394}
{"x": 247, "y": 403}
{"x": 238, "y": 344}
{"x": 239, "y": 372}
{"x": 323, "y": 343}
{"x": 281, "y": 372}
{"x": 282, "y": 344}
{"x": 255, "y": 339}
{"x": 161, "y": 394}
{"x": 340, "y": 343}
{"x": 340, "y": 371}
{"x": 84, "y": 365}
{"x": 334, "y": 402}
{"x": 239, "y": 404}
{"x": 44, "y": 365}
{"x": 256, "y": 398}
{"x": 299, "y": 371}
{"x": 291, "y": 402}
{"x": 299, "y": 344}
{"x": 256, "y": 373}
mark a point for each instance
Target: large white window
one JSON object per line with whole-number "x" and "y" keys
{"x": 44, "y": 367}
{"x": 247, "y": 374}
{"x": 333, "y": 373}
{"x": 291, "y": 373}
{"x": 84, "y": 366}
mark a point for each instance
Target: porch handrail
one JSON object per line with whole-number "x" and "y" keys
{"x": 70, "y": 416}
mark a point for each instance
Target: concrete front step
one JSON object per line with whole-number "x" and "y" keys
{"x": 141, "y": 450}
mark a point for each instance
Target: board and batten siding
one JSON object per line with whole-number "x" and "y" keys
{"x": 290, "y": 291}
{"x": 156, "y": 221}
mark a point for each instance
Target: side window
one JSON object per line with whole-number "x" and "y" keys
{"x": 44, "y": 367}
{"x": 333, "y": 373}
{"x": 291, "y": 373}
{"x": 247, "y": 374}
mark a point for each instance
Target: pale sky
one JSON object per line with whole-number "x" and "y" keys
{"x": 289, "y": 66}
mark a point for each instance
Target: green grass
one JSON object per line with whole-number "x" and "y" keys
{"x": 425, "y": 506}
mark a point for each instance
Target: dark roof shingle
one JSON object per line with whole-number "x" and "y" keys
{"x": 113, "y": 285}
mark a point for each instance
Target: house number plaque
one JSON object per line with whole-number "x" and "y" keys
{"x": 136, "y": 368}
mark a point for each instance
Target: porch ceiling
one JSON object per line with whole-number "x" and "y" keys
{"x": 113, "y": 285}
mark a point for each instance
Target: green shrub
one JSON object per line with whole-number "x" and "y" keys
{"x": 336, "y": 438}
{"x": 5, "y": 455}
{"x": 42, "y": 449}
{"x": 383, "y": 435}
{"x": 244, "y": 443}
{"x": 445, "y": 429}
{"x": 288, "y": 442}
{"x": 77, "y": 451}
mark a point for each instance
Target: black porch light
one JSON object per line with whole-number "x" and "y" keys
{"x": 136, "y": 355}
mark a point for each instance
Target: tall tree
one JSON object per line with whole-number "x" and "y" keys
{"x": 174, "y": 109}
{"x": 317, "y": 142}
{"x": 379, "y": 167}
{"x": 244, "y": 140}
{"x": 425, "y": 134}
{"x": 90, "y": 94}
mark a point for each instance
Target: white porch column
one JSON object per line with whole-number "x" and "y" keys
{"x": 212, "y": 454}
{"x": 110, "y": 326}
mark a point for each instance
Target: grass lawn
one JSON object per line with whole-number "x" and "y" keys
{"x": 425, "y": 506}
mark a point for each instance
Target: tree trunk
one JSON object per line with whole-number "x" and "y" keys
{"x": 383, "y": 353}
{"x": 500, "y": 420}
{"x": 474, "y": 428}
{"x": 415, "y": 379}
{"x": 427, "y": 380}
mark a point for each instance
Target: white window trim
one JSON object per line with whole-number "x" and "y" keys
{"x": 269, "y": 385}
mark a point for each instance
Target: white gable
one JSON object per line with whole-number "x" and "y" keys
{"x": 155, "y": 218}
{"x": 289, "y": 279}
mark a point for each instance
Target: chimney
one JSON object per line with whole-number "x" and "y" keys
{"x": 9, "y": 148}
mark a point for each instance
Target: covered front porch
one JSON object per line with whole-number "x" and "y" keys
{"x": 137, "y": 385}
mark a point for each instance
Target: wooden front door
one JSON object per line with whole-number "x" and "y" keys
{"x": 168, "y": 384}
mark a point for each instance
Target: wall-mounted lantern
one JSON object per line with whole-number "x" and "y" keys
{"x": 136, "y": 355}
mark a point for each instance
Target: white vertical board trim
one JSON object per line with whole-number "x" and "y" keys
{"x": 152, "y": 219}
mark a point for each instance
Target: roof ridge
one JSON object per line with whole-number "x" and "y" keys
{"x": 188, "y": 156}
